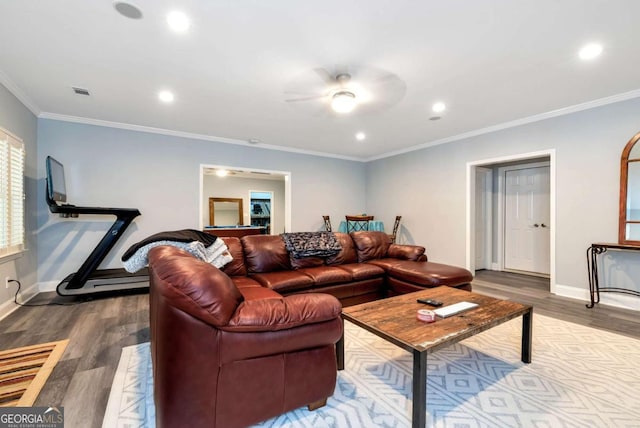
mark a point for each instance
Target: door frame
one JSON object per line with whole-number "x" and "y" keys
{"x": 487, "y": 216}
{"x": 287, "y": 189}
{"x": 500, "y": 239}
{"x": 471, "y": 201}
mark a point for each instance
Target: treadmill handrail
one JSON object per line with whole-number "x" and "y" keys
{"x": 72, "y": 209}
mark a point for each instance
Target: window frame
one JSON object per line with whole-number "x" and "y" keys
{"x": 12, "y": 193}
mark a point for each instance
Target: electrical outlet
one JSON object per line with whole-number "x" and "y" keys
{"x": 6, "y": 281}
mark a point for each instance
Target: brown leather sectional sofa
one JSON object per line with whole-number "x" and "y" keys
{"x": 236, "y": 346}
{"x": 368, "y": 267}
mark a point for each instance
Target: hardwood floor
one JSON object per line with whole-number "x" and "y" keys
{"x": 534, "y": 291}
{"x": 100, "y": 328}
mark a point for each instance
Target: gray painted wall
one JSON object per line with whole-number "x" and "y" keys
{"x": 428, "y": 187}
{"x": 160, "y": 175}
{"x": 17, "y": 119}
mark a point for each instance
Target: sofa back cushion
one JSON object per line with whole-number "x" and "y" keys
{"x": 305, "y": 262}
{"x": 371, "y": 245}
{"x": 407, "y": 252}
{"x": 193, "y": 286}
{"x": 348, "y": 252}
{"x": 265, "y": 253}
{"x": 236, "y": 267}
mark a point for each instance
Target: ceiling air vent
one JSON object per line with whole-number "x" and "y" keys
{"x": 80, "y": 91}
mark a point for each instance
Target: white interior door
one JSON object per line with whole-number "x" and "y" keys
{"x": 526, "y": 220}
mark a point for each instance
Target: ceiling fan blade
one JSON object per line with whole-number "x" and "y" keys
{"x": 325, "y": 76}
{"x": 314, "y": 97}
{"x": 302, "y": 93}
{"x": 383, "y": 79}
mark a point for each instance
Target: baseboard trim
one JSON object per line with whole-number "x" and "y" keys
{"x": 45, "y": 287}
{"x": 618, "y": 300}
{"x": 25, "y": 295}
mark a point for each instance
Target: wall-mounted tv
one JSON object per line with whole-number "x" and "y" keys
{"x": 56, "y": 189}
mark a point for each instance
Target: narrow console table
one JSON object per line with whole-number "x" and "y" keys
{"x": 592, "y": 267}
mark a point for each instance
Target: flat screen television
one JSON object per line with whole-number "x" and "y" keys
{"x": 56, "y": 189}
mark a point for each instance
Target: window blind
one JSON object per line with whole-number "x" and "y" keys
{"x": 12, "y": 157}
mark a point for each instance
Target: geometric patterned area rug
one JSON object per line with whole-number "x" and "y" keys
{"x": 579, "y": 377}
{"x": 23, "y": 372}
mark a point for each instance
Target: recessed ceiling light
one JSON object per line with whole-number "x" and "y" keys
{"x": 360, "y": 136}
{"x": 178, "y": 21}
{"x": 165, "y": 96}
{"x": 590, "y": 51}
{"x": 128, "y": 10}
{"x": 438, "y": 107}
{"x": 222, "y": 173}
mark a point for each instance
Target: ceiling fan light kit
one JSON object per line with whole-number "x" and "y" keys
{"x": 362, "y": 89}
{"x": 343, "y": 102}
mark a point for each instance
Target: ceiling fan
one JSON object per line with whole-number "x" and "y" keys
{"x": 346, "y": 90}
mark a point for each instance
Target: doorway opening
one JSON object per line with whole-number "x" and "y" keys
{"x": 511, "y": 215}
{"x": 262, "y": 209}
{"x": 272, "y": 208}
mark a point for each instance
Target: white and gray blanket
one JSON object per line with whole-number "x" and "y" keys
{"x": 208, "y": 248}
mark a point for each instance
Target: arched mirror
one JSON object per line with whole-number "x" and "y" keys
{"x": 629, "y": 224}
{"x": 225, "y": 211}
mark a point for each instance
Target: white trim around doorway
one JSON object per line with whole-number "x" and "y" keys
{"x": 470, "y": 205}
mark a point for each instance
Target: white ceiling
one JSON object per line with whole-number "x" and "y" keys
{"x": 493, "y": 62}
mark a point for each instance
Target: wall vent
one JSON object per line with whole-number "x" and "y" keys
{"x": 80, "y": 91}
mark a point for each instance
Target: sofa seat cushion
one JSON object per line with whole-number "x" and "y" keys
{"x": 259, "y": 293}
{"x": 429, "y": 274}
{"x": 359, "y": 271}
{"x": 326, "y": 275}
{"x": 372, "y": 286}
{"x": 385, "y": 263}
{"x": 245, "y": 282}
{"x": 284, "y": 281}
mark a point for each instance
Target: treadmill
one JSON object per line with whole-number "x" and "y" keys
{"x": 89, "y": 279}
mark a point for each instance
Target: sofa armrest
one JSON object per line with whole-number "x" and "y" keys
{"x": 407, "y": 252}
{"x": 280, "y": 314}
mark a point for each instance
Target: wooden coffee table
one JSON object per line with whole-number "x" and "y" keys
{"x": 394, "y": 319}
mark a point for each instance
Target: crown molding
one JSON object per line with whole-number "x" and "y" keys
{"x": 139, "y": 128}
{"x": 514, "y": 123}
{"x": 19, "y": 94}
{"x": 190, "y": 135}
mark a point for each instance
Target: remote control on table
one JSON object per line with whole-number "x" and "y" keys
{"x": 430, "y": 302}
